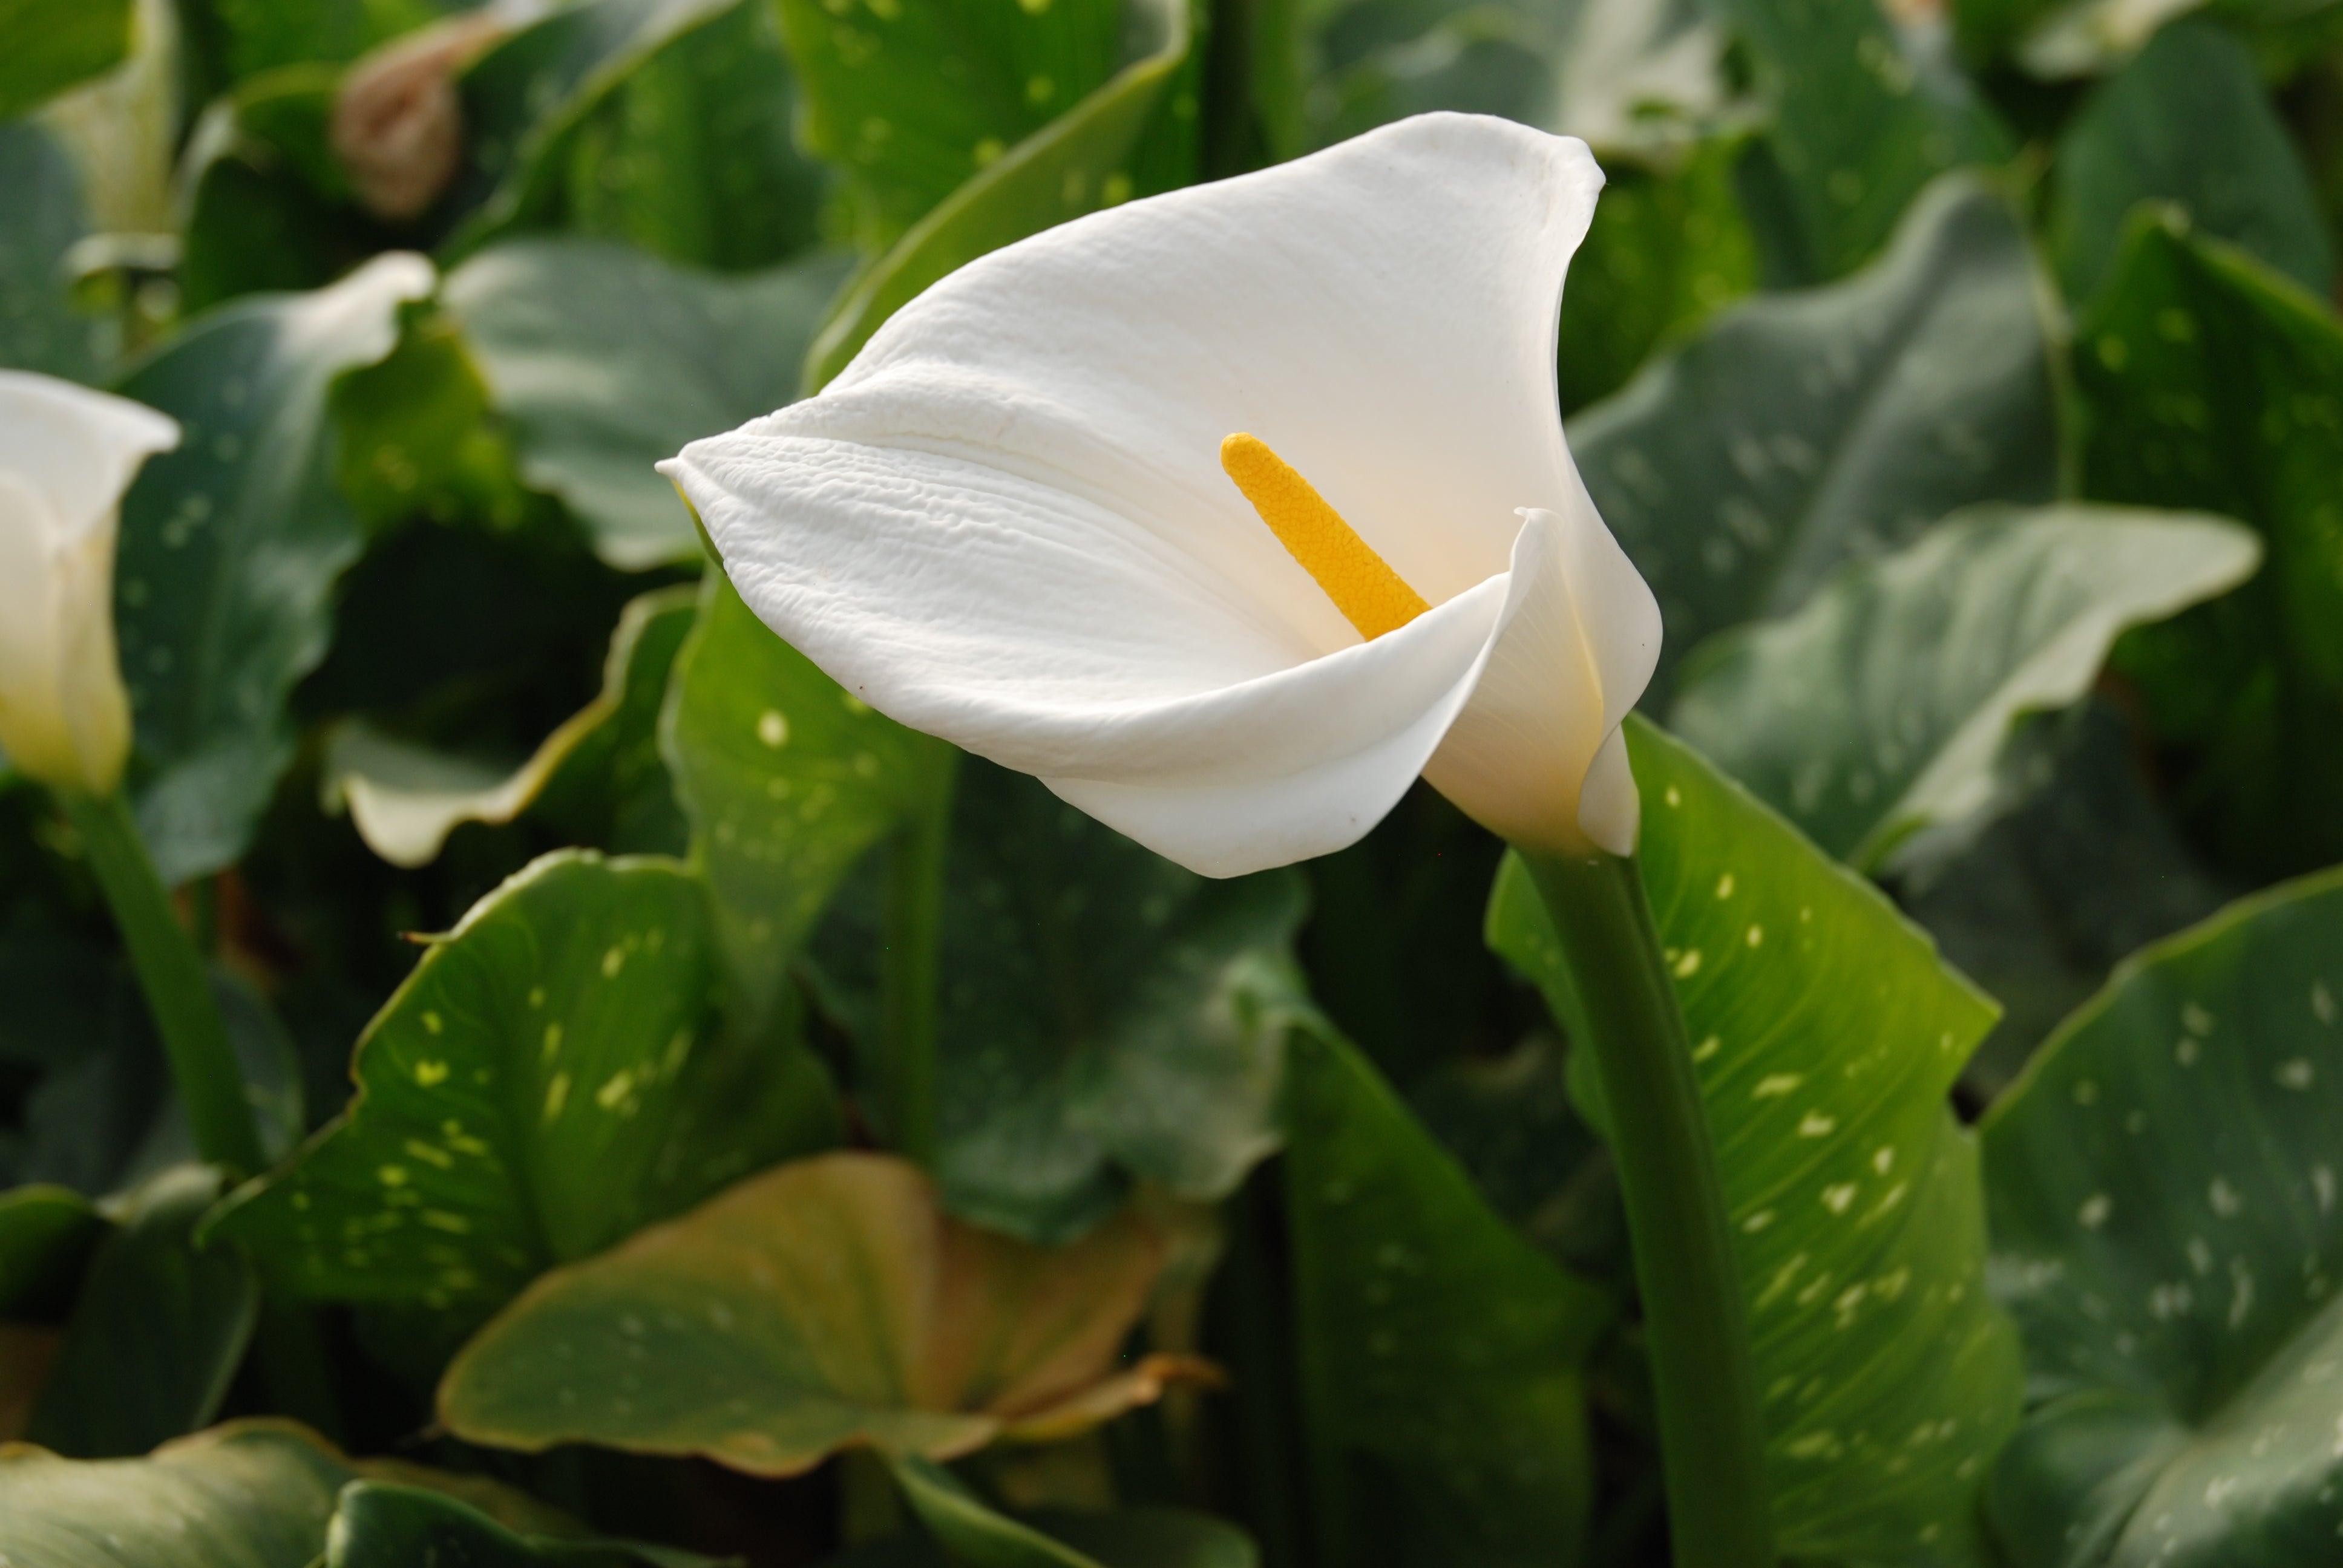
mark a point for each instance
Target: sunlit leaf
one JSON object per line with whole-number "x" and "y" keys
{"x": 2163, "y": 1186}
{"x": 1438, "y": 1351}
{"x": 2208, "y": 381}
{"x": 605, "y": 361}
{"x": 826, "y": 1304}
{"x": 231, "y": 546}
{"x": 55, "y": 44}
{"x": 1886, "y": 707}
{"x": 1826, "y": 1033}
{"x": 1103, "y": 1013}
{"x": 1801, "y": 431}
{"x": 600, "y": 767}
{"x": 553, "y": 1076}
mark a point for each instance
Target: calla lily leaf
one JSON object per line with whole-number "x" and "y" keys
{"x": 39, "y": 329}
{"x": 382, "y": 1525}
{"x": 231, "y": 547}
{"x": 552, "y": 1076}
{"x": 1886, "y": 707}
{"x": 826, "y": 1304}
{"x": 605, "y": 361}
{"x": 247, "y": 1494}
{"x": 2208, "y": 381}
{"x": 54, "y": 43}
{"x": 971, "y": 1533}
{"x": 2187, "y": 122}
{"x": 2163, "y": 1185}
{"x": 1800, "y": 431}
{"x": 405, "y": 799}
{"x": 1439, "y": 1351}
{"x": 159, "y": 1326}
{"x": 786, "y": 779}
{"x": 1826, "y": 1033}
{"x": 46, "y": 1234}
{"x": 1103, "y": 1013}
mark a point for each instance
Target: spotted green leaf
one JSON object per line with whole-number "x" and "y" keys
{"x": 787, "y": 780}
{"x": 231, "y": 549}
{"x": 2163, "y": 1186}
{"x": 1438, "y": 1351}
{"x": 2208, "y": 381}
{"x": 1122, "y": 102}
{"x": 1103, "y": 1014}
{"x": 599, "y": 768}
{"x": 158, "y": 1326}
{"x": 1801, "y": 431}
{"x": 54, "y": 43}
{"x": 826, "y": 1304}
{"x": 1826, "y": 1034}
{"x": 42, "y": 218}
{"x": 973, "y": 1534}
{"x": 553, "y": 1076}
{"x": 384, "y": 1524}
{"x": 605, "y": 361}
{"x": 2187, "y": 122}
{"x": 1881, "y": 716}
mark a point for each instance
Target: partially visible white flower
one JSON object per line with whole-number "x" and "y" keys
{"x": 1230, "y": 512}
{"x": 66, "y": 456}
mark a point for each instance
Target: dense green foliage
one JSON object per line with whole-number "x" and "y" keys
{"x": 707, "y": 1121}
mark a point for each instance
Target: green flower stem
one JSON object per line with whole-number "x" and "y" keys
{"x": 171, "y": 972}
{"x": 909, "y": 964}
{"x": 1712, "y": 1442}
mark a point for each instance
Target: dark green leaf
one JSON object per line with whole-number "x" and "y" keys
{"x": 2163, "y": 1183}
{"x": 1826, "y": 1034}
{"x": 1103, "y": 1013}
{"x": 54, "y": 43}
{"x": 2187, "y": 122}
{"x": 158, "y": 1329}
{"x": 975, "y": 1535}
{"x": 231, "y": 547}
{"x": 38, "y": 225}
{"x": 1886, "y": 707}
{"x": 2207, "y": 381}
{"x": 1439, "y": 1352}
{"x": 605, "y": 361}
{"x": 46, "y": 1233}
{"x": 551, "y": 1078}
{"x": 241, "y": 38}
{"x": 1801, "y": 431}
{"x": 380, "y": 1524}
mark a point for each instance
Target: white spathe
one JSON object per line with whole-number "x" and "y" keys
{"x": 66, "y": 456}
{"x": 1006, "y": 522}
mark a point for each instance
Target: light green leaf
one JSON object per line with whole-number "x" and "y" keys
{"x": 1439, "y": 1352}
{"x": 826, "y": 1304}
{"x": 978, "y": 1536}
{"x": 2187, "y": 122}
{"x": 54, "y": 43}
{"x": 1801, "y": 431}
{"x": 552, "y": 1077}
{"x": 787, "y": 780}
{"x": 231, "y": 547}
{"x": 605, "y": 361}
{"x": 382, "y": 1525}
{"x": 39, "y": 225}
{"x": 1868, "y": 110}
{"x": 1826, "y": 1034}
{"x": 1887, "y": 708}
{"x": 2208, "y": 381}
{"x": 602, "y": 764}
{"x": 241, "y": 38}
{"x": 2163, "y": 1186}
{"x": 46, "y": 1233}
{"x": 1103, "y": 1013}
{"x": 1132, "y": 134}
{"x": 158, "y": 1328}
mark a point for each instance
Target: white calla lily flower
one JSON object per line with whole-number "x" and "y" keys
{"x": 66, "y": 456}
{"x": 1029, "y": 517}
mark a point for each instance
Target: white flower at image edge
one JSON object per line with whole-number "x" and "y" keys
{"x": 66, "y": 456}
{"x": 1010, "y": 521}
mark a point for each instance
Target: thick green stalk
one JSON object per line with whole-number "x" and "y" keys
{"x": 909, "y": 964}
{"x": 171, "y": 972}
{"x": 1695, "y": 1325}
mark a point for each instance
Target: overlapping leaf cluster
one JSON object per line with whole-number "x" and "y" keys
{"x": 1965, "y": 381}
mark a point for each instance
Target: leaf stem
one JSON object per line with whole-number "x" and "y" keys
{"x": 171, "y": 972}
{"x": 1711, "y": 1440}
{"x": 908, "y": 963}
